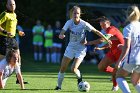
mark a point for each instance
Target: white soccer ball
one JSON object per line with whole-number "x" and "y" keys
{"x": 84, "y": 86}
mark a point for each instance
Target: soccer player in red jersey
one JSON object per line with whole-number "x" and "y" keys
{"x": 114, "y": 52}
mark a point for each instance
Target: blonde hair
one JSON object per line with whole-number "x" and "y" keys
{"x": 133, "y": 13}
{"x": 74, "y": 8}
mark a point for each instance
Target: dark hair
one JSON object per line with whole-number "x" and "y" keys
{"x": 10, "y": 54}
{"x": 103, "y": 19}
{"x": 98, "y": 20}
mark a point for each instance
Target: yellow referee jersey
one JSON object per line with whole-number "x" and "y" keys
{"x": 8, "y": 21}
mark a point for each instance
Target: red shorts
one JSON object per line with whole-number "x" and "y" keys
{"x": 114, "y": 55}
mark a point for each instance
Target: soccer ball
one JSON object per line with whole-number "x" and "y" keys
{"x": 83, "y": 86}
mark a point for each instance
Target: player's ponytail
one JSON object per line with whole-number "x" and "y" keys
{"x": 133, "y": 13}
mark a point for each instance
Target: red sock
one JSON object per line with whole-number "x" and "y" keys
{"x": 114, "y": 82}
{"x": 109, "y": 69}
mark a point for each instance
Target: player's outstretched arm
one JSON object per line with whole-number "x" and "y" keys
{"x": 94, "y": 42}
{"x": 62, "y": 34}
{"x": 19, "y": 76}
{"x": 1, "y": 83}
{"x": 102, "y": 36}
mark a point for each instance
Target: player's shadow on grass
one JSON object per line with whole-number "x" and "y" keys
{"x": 40, "y": 89}
{"x": 28, "y": 89}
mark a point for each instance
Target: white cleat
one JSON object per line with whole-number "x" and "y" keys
{"x": 116, "y": 88}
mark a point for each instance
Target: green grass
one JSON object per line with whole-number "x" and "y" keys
{"x": 42, "y": 78}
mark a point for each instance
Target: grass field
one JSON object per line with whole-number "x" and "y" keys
{"x": 42, "y": 78}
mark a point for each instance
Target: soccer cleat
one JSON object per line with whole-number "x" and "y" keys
{"x": 115, "y": 88}
{"x": 57, "y": 88}
{"x": 79, "y": 79}
{"x": 17, "y": 82}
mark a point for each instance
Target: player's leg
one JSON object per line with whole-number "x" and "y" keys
{"x": 47, "y": 55}
{"x": 35, "y": 51}
{"x": 77, "y": 61}
{"x": 68, "y": 56}
{"x": 74, "y": 69}
{"x": 2, "y": 47}
{"x": 53, "y": 56}
{"x": 4, "y": 81}
{"x": 104, "y": 66}
{"x": 120, "y": 78}
{"x": 58, "y": 52}
{"x": 64, "y": 64}
{"x": 40, "y": 46}
{"x": 135, "y": 78}
{"x": 17, "y": 81}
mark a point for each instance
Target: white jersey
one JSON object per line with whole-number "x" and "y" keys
{"x": 77, "y": 32}
{"x": 7, "y": 70}
{"x": 132, "y": 32}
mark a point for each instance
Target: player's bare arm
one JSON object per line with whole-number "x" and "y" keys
{"x": 94, "y": 42}
{"x": 125, "y": 50}
{"x": 62, "y": 34}
{"x": 101, "y": 35}
{"x": 19, "y": 76}
{"x": 5, "y": 32}
{"x": 1, "y": 84}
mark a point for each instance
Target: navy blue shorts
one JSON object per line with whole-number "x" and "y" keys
{"x": 7, "y": 43}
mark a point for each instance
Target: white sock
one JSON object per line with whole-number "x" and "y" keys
{"x": 138, "y": 87}
{"x": 60, "y": 79}
{"x": 123, "y": 85}
{"x": 40, "y": 56}
{"x": 78, "y": 74}
{"x": 47, "y": 57}
{"x": 35, "y": 56}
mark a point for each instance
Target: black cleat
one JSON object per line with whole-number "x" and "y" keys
{"x": 57, "y": 88}
{"x": 17, "y": 82}
{"x": 79, "y": 80}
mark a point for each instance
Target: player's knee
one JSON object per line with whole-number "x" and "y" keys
{"x": 73, "y": 69}
{"x": 134, "y": 82}
{"x": 62, "y": 69}
{"x": 100, "y": 68}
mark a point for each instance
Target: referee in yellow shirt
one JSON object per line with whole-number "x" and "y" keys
{"x": 8, "y": 23}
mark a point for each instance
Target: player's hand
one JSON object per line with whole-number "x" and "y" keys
{"x": 21, "y": 33}
{"x": 89, "y": 43}
{"x": 83, "y": 41}
{"x": 109, "y": 43}
{"x": 97, "y": 48}
{"x": 61, "y": 36}
{"x": 117, "y": 65}
{"x": 9, "y": 34}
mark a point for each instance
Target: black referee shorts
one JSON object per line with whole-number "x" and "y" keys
{"x": 7, "y": 43}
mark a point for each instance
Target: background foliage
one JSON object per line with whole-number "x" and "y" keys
{"x": 49, "y": 10}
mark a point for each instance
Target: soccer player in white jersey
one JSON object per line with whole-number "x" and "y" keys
{"x": 130, "y": 56}
{"x": 76, "y": 48}
{"x": 8, "y": 65}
